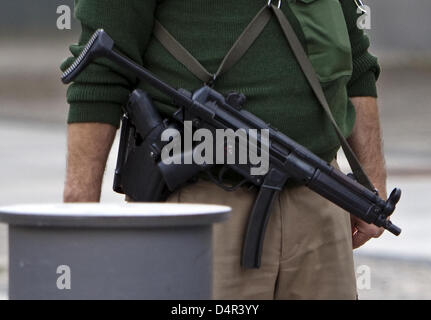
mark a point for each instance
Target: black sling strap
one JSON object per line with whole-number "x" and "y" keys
{"x": 314, "y": 82}
{"x": 242, "y": 44}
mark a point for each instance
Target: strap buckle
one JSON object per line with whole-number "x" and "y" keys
{"x": 360, "y": 6}
{"x": 210, "y": 82}
{"x": 270, "y": 2}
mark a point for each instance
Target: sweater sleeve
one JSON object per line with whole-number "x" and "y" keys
{"x": 366, "y": 69}
{"x": 98, "y": 93}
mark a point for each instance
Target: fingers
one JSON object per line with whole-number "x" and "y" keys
{"x": 362, "y": 232}
{"x": 379, "y": 232}
{"x": 359, "y": 239}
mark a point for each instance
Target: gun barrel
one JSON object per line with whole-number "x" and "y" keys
{"x": 392, "y": 228}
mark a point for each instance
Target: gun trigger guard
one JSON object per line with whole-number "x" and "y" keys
{"x": 219, "y": 181}
{"x": 376, "y": 191}
{"x": 221, "y": 173}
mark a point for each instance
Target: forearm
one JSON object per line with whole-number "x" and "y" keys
{"x": 366, "y": 141}
{"x": 88, "y": 149}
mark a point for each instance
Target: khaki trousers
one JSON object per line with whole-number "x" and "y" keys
{"x": 307, "y": 251}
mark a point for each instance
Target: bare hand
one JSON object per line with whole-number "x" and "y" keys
{"x": 362, "y": 231}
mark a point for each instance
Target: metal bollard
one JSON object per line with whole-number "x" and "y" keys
{"x": 125, "y": 251}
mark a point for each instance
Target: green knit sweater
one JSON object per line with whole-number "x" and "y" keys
{"x": 268, "y": 74}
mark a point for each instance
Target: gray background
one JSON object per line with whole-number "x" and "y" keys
{"x": 26, "y": 17}
{"x": 400, "y": 24}
{"x": 396, "y": 24}
{"x": 33, "y": 112}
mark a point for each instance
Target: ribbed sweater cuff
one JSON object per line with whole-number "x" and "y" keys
{"x": 364, "y": 86}
{"x": 95, "y": 112}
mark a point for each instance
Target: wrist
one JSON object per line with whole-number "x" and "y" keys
{"x": 81, "y": 192}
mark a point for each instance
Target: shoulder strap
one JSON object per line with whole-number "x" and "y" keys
{"x": 241, "y": 45}
{"x": 179, "y": 52}
{"x": 239, "y": 48}
{"x": 314, "y": 82}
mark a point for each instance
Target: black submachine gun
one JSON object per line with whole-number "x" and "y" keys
{"x": 151, "y": 179}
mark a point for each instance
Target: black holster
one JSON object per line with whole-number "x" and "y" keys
{"x": 140, "y": 173}
{"x": 137, "y": 174}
